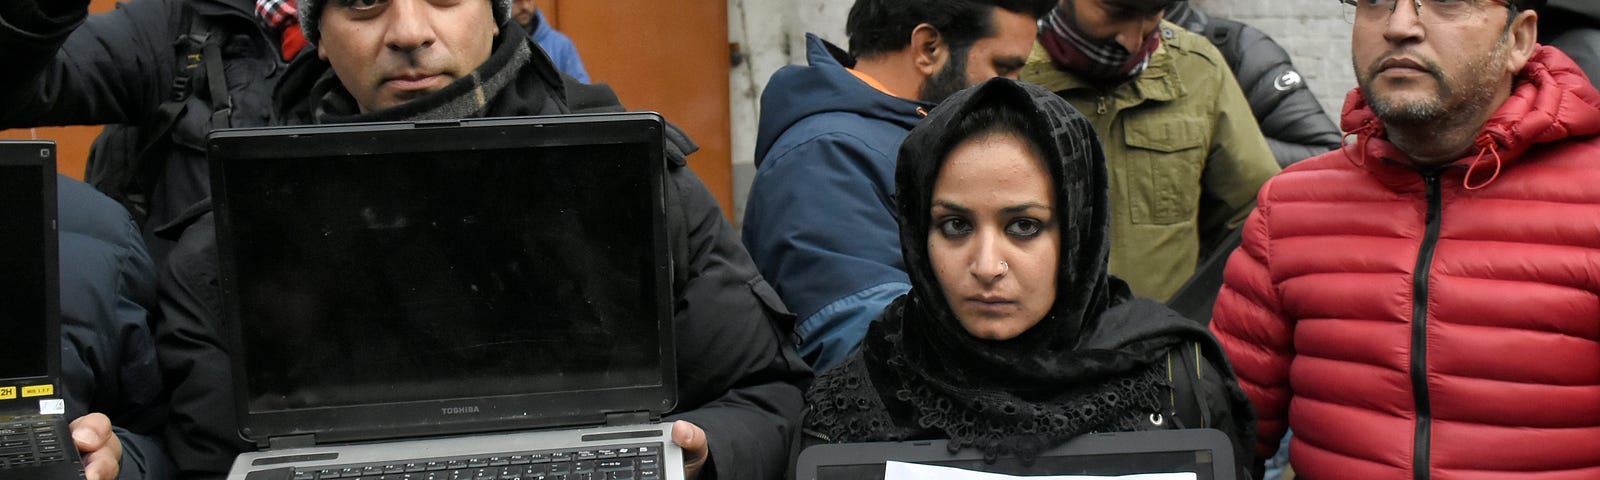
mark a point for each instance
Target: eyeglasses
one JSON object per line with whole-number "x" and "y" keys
{"x": 1429, "y": 12}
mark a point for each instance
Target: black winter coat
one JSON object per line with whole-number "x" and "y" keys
{"x": 117, "y": 68}
{"x": 1573, "y": 26}
{"x": 739, "y": 378}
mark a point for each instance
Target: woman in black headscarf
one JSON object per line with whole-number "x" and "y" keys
{"x": 1014, "y": 338}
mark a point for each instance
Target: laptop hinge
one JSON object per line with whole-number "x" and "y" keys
{"x": 629, "y": 418}
{"x": 291, "y": 441}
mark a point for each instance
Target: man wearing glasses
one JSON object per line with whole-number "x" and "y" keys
{"x": 1425, "y": 302}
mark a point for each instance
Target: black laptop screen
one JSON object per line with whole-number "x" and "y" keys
{"x": 23, "y": 272}
{"x": 394, "y": 278}
{"x": 1197, "y": 462}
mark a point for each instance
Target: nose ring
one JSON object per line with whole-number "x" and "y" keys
{"x": 1004, "y": 269}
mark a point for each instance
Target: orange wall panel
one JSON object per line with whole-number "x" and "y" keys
{"x": 72, "y": 145}
{"x": 550, "y": 9}
{"x": 670, "y": 56}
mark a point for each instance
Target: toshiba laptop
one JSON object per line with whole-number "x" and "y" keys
{"x": 482, "y": 298}
{"x": 1205, "y": 452}
{"x": 34, "y": 441}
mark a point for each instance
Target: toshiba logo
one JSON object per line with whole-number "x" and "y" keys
{"x": 459, "y": 410}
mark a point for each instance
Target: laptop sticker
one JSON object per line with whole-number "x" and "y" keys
{"x": 7, "y": 393}
{"x": 38, "y": 391}
{"x": 52, "y": 406}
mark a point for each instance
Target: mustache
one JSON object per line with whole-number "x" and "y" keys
{"x": 1430, "y": 66}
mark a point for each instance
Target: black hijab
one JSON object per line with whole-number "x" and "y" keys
{"x": 1077, "y": 167}
{"x": 1090, "y": 365}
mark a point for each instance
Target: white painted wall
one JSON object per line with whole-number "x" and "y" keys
{"x": 771, "y": 34}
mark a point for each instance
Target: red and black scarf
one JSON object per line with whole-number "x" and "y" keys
{"x": 281, "y": 19}
{"x": 1100, "y": 62}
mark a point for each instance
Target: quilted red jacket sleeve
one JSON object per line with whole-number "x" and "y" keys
{"x": 1257, "y": 337}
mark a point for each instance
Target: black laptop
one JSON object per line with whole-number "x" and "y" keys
{"x": 34, "y": 441}
{"x": 1205, "y": 453}
{"x": 489, "y": 298}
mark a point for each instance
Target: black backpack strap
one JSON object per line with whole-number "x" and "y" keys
{"x": 188, "y": 44}
{"x": 118, "y": 161}
{"x": 217, "y": 80}
{"x": 1187, "y": 404}
{"x": 197, "y": 48}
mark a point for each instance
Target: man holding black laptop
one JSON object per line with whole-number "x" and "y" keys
{"x": 739, "y": 379}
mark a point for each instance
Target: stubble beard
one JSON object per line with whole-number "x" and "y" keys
{"x": 1460, "y": 98}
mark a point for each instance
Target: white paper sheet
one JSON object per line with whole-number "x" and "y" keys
{"x": 913, "y": 471}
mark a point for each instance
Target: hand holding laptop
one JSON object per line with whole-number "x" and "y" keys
{"x": 692, "y": 440}
{"x": 102, "y": 450}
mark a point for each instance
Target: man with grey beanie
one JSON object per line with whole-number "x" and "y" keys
{"x": 310, "y": 12}
{"x": 408, "y": 60}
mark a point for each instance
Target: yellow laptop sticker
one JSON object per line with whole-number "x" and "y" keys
{"x": 38, "y": 390}
{"x": 7, "y": 393}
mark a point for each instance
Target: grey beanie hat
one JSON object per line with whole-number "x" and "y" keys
{"x": 311, "y": 12}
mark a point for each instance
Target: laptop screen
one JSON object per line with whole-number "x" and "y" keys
{"x": 23, "y": 285}
{"x": 1198, "y": 462}
{"x": 367, "y": 279}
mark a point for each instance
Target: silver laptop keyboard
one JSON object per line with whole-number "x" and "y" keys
{"x": 30, "y": 441}
{"x": 627, "y": 462}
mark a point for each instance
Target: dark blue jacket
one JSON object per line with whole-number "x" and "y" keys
{"x": 108, "y": 357}
{"x": 820, "y": 221}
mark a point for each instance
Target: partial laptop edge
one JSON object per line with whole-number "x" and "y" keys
{"x": 418, "y": 299}
{"x": 34, "y": 441}
{"x": 1206, "y": 452}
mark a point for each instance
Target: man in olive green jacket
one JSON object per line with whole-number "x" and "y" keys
{"x": 1184, "y": 153}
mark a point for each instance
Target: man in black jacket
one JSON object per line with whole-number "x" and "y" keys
{"x": 121, "y": 68}
{"x": 739, "y": 378}
{"x": 1293, "y": 122}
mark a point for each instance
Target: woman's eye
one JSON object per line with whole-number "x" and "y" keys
{"x": 1024, "y": 227}
{"x": 954, "y": 227}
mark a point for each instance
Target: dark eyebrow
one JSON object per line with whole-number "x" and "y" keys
{"x": 951, "y": 206}
{"x": 1012, "y": 210}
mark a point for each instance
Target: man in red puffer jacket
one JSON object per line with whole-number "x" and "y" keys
{"x": 1425, "y": 302}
